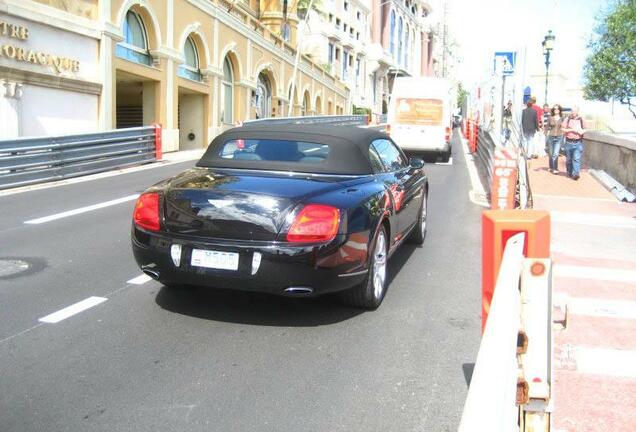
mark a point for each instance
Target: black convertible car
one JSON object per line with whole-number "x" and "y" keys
{"x": 297, "y": 210}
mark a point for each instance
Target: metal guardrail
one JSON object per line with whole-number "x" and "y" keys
{"x": 510, "y": 388}
{"x": 26, "y": 161}
{"x": 486, "y": 145}
{"x": 346, "y": 120}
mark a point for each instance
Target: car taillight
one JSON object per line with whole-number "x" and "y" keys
{"x": 146, "y": 214}
{"x": 315, "y": 223}
{"x": 448, "y": 134}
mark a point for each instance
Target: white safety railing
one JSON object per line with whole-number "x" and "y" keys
{"x": 510, "y": 386}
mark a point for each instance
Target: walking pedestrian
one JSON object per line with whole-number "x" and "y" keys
{"x": 507, "y": 121}
{"x": 547, "y": 112}
{"x": 538, "y": 141}
{"x": 573, "y": 127}
{"x": 529, "y": 127}
{"x": 554, "y": 134}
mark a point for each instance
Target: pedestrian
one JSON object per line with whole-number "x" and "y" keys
{"x": 554, "y": 134}
{"x": 538, "y": 143}
{"x": 573, "y": 127}
{"x": 529, "y": 127}
{"x": 507, "y": 121}
{"x": 547, "y": 112}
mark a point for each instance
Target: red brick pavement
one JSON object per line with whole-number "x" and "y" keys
{"x": 603, "y": 399}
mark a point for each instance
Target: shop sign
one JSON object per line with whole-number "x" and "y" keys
{"x": 16, "y": 34}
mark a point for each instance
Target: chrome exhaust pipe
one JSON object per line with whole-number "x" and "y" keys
{"x": 299, "y": 291}
{"x": 151, "y": 272}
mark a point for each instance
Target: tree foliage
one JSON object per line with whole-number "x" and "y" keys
{"x": 610, "y": 70}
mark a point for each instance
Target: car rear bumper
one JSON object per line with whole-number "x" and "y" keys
{"x": 315, "y": 269}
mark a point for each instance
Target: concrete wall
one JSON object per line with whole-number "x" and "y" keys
{"x": 613, "y": 154}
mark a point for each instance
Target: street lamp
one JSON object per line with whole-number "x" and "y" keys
{"x": 548, "y": 46}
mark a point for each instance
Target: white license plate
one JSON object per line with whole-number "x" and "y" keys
{"x": 214, "y": 259}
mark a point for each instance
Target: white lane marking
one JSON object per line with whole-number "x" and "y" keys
{"x": 595, "y": 273}
{"x": 82, "y": 210}
{"x": 603, "y": 361}
{"x": 140, "y": 280}
{"x": 593, "y": 219}
{"x": 71, "y": 310}
{"x": 450, "y": 162}
{"x": 623, "y": 309}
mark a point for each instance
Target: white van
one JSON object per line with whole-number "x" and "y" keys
{"x": 419, "y": 117}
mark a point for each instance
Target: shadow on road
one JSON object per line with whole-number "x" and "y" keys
{"x": 468, "y": 369}
{"x": 254, "y": 308}
{"x": 263, "y": 309}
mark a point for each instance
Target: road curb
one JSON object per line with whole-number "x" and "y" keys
{"x": 477, "y": 194}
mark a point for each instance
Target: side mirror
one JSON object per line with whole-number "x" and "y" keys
{"x": 416, "y": 163}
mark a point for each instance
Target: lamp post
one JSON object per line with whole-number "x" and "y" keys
{"x": 548, "y": 46}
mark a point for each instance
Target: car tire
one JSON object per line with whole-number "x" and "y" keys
{"x": 418, "y": 235}
{"x": 370, "y": 293}
{"x": 445, "y": 156}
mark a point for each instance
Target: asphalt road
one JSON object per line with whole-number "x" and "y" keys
{"x": 149, "y": 359}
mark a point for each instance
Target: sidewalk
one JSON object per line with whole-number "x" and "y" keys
{"x": 594, "y": 253}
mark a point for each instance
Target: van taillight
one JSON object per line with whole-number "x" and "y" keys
{"x": 448, "y": 134}
{"x": 146, "y": 214}
{"x": 387, "y": 129}
{"x": 315, "y": 223}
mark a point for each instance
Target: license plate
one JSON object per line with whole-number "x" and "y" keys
{"x": 214, "y": 259}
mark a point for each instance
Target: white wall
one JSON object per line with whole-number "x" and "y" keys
{"x": 48, "y": 111}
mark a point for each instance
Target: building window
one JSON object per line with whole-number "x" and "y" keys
{"x": 286, "y": 30}
{"x": 346, "y": 6}
{"x": 337, "y": 23}
{"x": 337, "y": 53}
{"x": 357, "y": 71}
{"x": 227, "y": 92}
{"x": 344, "y": 27}
{"x": 345, "y": 56}
{"x": 358, "y": 15}
{"x": 330, "y": 17}
{"x": 392, "y": 35}
{"x": 399, "y": 52}
{"x": 330, "y": 53}
{"x": 406, "y": 47}
{"x": 358, "y": 36}
{"x": 134, "y": 47}
{"x": 190, "y": 68}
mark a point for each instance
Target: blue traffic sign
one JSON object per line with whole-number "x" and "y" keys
{"x": 505, "y": 62}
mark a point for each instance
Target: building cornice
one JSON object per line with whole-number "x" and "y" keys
{"x": 43, "y": 14}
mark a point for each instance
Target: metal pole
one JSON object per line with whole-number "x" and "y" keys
{"x": 298, "y": 39}
{"x": 501, "y": 106}
{"x": 547, "y": 68}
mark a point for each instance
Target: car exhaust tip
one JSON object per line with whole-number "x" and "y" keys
{"x": 299, "y": 291}
{"x": 151, "y": 272}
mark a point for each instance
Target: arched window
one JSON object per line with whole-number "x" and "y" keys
{"x": 134, "y": 47}
{"x": 406, "y": 47}
{"x": 399, "y": 53}
{"x": 227, "y": 92}
{"x": 190, "y": 68}
{"x": 392, "y": 35}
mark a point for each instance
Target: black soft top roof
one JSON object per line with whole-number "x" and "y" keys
{"x": 348, "y": 147}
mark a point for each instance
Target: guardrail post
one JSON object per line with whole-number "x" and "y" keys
{"x": 504, "y": 179}
{"x": 158, "y": 142}
{"x": 497, "y": 227}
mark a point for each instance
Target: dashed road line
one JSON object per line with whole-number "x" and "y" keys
{"x": 594, "y": 273}
{"x": 71, "y": 310}
{"x": 81, "y": 210}
{"x": 139, "y": 280}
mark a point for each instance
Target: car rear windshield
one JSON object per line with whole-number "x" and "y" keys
{"x": 271, "y": 150}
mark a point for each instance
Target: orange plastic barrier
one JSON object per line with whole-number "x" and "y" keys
{"x": 158, "y": 142}
{"x": 497, "y": 227}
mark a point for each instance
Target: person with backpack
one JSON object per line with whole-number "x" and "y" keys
{"x": 554, "y": 136}
{"x": 573, "y": 127}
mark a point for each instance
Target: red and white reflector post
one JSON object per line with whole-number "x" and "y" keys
{"x": 504, "y": 179}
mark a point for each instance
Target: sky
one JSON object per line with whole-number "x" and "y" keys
{"x": 481, "y": 27}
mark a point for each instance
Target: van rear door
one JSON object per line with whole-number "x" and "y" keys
{"x": 418, "y": 123}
